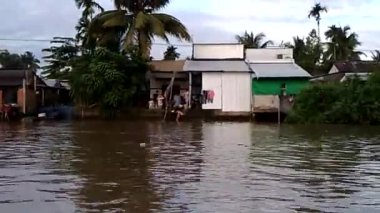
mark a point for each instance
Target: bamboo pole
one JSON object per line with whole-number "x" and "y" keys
{"x": 279, "y": 110}
{"x": 24, "y": 96}
{"x": 170, "y": 87}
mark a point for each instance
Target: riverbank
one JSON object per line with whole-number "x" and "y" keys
{"x": 352, "y": 102}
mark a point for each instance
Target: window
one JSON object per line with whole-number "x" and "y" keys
{"x": 280, "y": 56}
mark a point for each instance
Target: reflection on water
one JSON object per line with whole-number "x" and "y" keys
{"x": 191, "y": 167}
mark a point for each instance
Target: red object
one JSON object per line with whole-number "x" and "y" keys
{"x": 6, "y": 108}
{"x": 211, "y": 95}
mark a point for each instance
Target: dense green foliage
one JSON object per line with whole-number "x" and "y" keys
{"x": 18, "y": 61}
{"x": 307, "y": 52}
{"x": 351, "y": 102}
{"x": 59, "y": 58}
{"x": 136, "y": 22}
{"x": 341, "y": 44}
{"x": 107, "y": 79}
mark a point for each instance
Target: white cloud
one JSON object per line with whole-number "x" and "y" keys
{"x": 207, "y": 20}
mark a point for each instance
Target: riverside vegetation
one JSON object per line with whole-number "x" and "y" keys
{"x": 352, "y": 102}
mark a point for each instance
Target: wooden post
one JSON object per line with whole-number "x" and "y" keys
{"x": 190, "y": 89}
{"x": 35, "y": 83}
{"x": 251, "y": 97}
{"x": 24, "y": 95}
{"x": 279, "y": 110}
{"x": 170, "y": 87}
{"x": 43, "y": 96}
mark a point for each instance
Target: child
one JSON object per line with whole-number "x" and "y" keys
{"x": 151, "y": 104}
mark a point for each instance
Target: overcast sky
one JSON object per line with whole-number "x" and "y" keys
{"x": 207, "y": 20}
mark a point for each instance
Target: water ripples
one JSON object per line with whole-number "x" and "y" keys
{"x": 192, "y": 167}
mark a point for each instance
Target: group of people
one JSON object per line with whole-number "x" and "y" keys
{"x": 179, "y": 100}
{"x": 178, "y": 103}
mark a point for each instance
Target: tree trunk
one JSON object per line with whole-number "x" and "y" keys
{"x": 319, "y": 32}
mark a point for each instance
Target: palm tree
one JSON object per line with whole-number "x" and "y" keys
{"x": 11, "y": 60}
{"x": 30, "y": 61}
{"x": 59, "y": 58}
{"x": 341, "y": 44}
{"x": 89, "y": 9}
{"x": 315, "y": 12}
{"x": 298, "y": 47}
{"x": 171, "y": 53}
{"x": 253, "y": 41}
{"x": 376, "y": 55}
{"x": 138, "y": 22}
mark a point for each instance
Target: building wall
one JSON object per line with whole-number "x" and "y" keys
{"x": 236, "y": 92}
{"x": 218, "y": 51}
{"x": 272, "y": 86}
{"x": 265, "y": 103}
{"x": 31, "y": 100}
{"x": 213, "y": 81}
{"x": 269, "y": 55}
{"x": 232, "y": 91}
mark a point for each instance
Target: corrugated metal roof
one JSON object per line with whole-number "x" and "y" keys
{"x": 51, "y": 82}
{"x": 12, "y": 77}
{"x": 362, "y": 76}
{"x": 278, "y": 70}
{"x": 357, "y": 66}
{"x": 216, "y": 66}
{"x": 55, "y": 83}
{"x": 167, "y": 66}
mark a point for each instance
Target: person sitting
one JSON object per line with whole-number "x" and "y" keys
{"x": 177, "y": 100}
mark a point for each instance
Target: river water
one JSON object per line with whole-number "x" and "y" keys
{"x": 191, "y": 167}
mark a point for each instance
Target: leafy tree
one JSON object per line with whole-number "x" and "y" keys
{"x": 341, "y": 44}
{"x": 10, "y": 61}
{"x": 171, "y": 53}
{"x": 315, "y": 12}
{"x": 89, "y": 7}
{"x": 30, "y": 61}
{"x": 107, "y": 79}
{"x": 352, "y": 102}
{"x": 253, "y": 41}
{"x": 137, "y": 23}
{"x": 376, "y": 55}
{"x": 59, "y": 57}
{"x": 307, "y": 52}
{"x": 15, "y": 61}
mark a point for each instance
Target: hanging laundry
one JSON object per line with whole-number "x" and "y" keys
{"x": 211, "y": 95}
{"x": 204, "y": 97}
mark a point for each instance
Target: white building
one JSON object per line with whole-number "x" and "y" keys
{"x": 220, "y": 78}
{"x": 275, "y": 74}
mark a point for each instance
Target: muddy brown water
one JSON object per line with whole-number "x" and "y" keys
{"x": 191, "y": 167}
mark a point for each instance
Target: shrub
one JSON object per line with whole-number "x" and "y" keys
{"x": 107, "y": 79}
{"x": 351, "y": 102}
